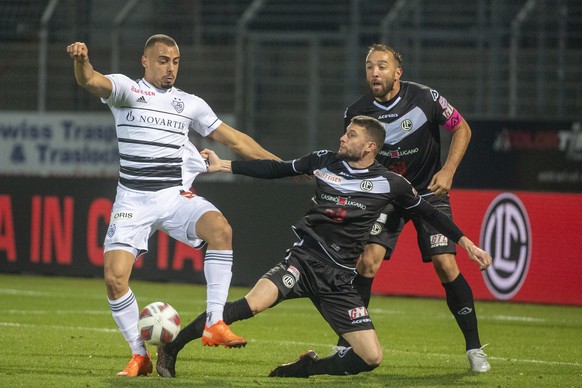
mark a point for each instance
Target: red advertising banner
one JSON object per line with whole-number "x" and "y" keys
{"x": 56, "y": 226}
{"x": 534, "y": 239}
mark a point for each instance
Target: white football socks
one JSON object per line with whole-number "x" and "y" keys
{"x": 218, "y": 273}
{"x": 125, "y": 313}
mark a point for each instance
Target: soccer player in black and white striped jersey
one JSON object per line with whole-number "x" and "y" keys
{"x": 153, "y": 119}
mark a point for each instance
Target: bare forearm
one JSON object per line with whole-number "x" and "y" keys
{"x": 459, "y": 143}
{"x": 241, "y": 143}
{"x": 83, "y": 72}
{"x": 250, "y": 149}
{"x": 91, "y": 80}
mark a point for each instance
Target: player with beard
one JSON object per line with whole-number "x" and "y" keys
{"x": 412, "y": 115}
{"x": 351, "y": 190}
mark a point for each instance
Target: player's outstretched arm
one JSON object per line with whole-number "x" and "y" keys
{"x": 87, "y": 77}
{"x": 241, "y": 143}
{"x": 262, "y": 168}
{"x": 447, "y": 227}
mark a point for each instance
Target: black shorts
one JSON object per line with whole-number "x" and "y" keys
{"x": 430, "y": 242}
{"x": 304, "y": 273}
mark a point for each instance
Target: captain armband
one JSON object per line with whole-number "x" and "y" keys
{"x": 454, "y": 120}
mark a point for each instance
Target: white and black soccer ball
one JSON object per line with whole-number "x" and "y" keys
{"x": 159, "y": 323}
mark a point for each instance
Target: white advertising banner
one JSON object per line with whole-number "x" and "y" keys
{"x": 58, "y": 144}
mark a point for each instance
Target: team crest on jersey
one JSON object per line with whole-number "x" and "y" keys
{"x": 178, "y": 105}
{"x": 406, "y": 125}
{"x": 376, "y": 229}
{"x": 288, "y": 280}
{"x": 366, "y": 185}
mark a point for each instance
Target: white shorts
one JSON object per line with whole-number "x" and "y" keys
{"x": 136, "y": 215}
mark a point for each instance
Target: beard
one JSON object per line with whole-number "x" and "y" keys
{"x": 348, "y": 155}
{"x": 383, "y": 92}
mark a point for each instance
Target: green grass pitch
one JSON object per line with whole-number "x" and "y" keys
{"x": 59, "y": 332}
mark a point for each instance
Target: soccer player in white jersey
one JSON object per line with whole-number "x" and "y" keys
{"x": 153, "y": 119}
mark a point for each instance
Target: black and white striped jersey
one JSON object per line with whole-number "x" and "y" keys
{"x": 412, "y": 120}
{"x": 346, "y": 202}
{"x": 152, "y": 131}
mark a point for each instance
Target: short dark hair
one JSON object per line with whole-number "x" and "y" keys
{"x": 159, "y": 38}
{"x": 374, "y": 128}
{"x": 387, "y": 49}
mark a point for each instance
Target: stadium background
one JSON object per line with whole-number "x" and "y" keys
{"x": 283, "y": 71}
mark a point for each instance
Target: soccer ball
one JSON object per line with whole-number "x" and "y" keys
{"x": 159, "y": 323}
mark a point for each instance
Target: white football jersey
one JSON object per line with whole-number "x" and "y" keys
{"x": 152, "y": 131}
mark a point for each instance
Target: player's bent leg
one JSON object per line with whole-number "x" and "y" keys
{"x": 366, "y": 345}
{"x": 263, "y": 295}
{"x": 213, "y": 228}
{"x": 367, "y": 266}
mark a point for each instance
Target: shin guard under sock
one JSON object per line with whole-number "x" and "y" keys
{"x": 346, "y": 362}
{"x": 461, "y": 303}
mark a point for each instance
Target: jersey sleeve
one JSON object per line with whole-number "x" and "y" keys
{"x": 438, "y": 220}
{"x": 263, "y": 168}
{"x": 446, "y": 114}
{"x": 408, "y": 199}
{"x": 405, "y": 195}
{"x": 205, "y": 120}
{"x": 271, "y": 169}
{"x": 120, "y": 90}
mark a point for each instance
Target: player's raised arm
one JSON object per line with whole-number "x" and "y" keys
{"x": 87, "y": 77}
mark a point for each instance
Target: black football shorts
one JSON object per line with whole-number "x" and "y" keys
{"x": 389, "y": 225}
{"x": 304, "y": 273}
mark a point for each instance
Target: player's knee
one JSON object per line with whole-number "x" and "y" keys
{"x": 215, "y": 230}
{"x": 369, "y": 361}
{"x": 374, "y": 359}
{"x": 446, "y": 267}
{"x": 116, "y": 285}
{"x": 223, "y": 233}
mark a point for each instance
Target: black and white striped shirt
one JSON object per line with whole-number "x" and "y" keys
{"x": 152, "y": 131}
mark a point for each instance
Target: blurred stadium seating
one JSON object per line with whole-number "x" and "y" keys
{"x": 286, "y": 69}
